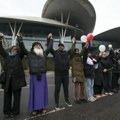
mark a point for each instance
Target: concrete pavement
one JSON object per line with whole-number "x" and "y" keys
{"x": 106, "y": 108}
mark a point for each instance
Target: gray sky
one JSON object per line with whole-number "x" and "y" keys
{"x": 107, "y": 11}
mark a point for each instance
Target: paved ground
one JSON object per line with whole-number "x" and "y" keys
{"x": 107, "y": 108}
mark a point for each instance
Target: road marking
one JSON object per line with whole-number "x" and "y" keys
{"x": 48, "y": 85}
{"x": 52, "y": 111}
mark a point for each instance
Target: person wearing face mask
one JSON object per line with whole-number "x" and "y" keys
{"x": 78, "y": 74}
{"x": 14, "y": 79}
{"x": 37, "y": 58}
{"x": 62, "y": 65}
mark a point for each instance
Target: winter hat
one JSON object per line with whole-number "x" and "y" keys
{"x": 35, "y": 43}
{"x": 12, "y": 48}
{"x": 60, "y": 44}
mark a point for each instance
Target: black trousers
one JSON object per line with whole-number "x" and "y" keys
{"x": 12, "y": 106}
{"x": 98, "y": 89}
{"x": 61, "y": 80}
{"x": 115, "y": 77}
{"x": 107, "y": 82}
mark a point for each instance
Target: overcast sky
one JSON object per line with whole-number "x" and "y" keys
{"x": 107, "y": 11}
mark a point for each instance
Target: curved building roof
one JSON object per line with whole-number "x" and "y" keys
{"x": 35, "y": 25}
{"x": 112, "y": 35}
{"x": 82, "y": 13}
{"x": 49, "y": 22}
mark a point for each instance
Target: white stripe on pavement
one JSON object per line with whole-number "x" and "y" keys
{"x": 52, "y": 111}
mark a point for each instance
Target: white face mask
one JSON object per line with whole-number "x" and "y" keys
{"x": 38, "y": 51}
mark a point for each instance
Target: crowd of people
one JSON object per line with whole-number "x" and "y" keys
{"x": 93, "y": 76}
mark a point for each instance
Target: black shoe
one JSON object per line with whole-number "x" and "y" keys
{"x": 14, "y": 115}
{"x": 40, "y": 111}
{"x": 78, "y": 102}
{"x": 6, "y": 115}
{"x": 83, "y": 100}
{"x": 115, "y": 91}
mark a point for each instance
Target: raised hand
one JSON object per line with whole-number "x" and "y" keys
{"x": 110, "y": 47}
{"x": 87, "y": 44}
{"x": 19, "y": 37}
{"x": 50, "y": 35}
{"x": 73, "y": 40}
{"x": 1, "y": 35}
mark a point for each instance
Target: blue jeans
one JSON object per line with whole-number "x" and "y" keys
{"x": 89, "y": 86}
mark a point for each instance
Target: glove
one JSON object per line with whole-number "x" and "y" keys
{"x": 39, "y": 76}
{"x": 1, "y": 36}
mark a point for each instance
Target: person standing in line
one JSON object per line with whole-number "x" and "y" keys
{"x": 98, "y": 81}
{"x": 37, "y": 58}
{"x": 115, "y": 75}
{"x": 78, "y": 74}
{"x": 107, "y": 66}
{"x": 14, "y": 79}
{"x": 118, "y": 61}
{"x": 62, "y": 66}
{"x": 89, "y": 73}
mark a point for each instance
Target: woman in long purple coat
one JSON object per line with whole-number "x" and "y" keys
{"x": 38, "y": 96}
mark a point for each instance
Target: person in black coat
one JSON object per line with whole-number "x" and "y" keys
{"x": 115, "y": 75}
{"x": 107, "y": 66}
{"x": 98, "y": 81}
{"x": 118, "y": 61}
{"x": 62, "y": 66}
{"x": 14, "y": 80}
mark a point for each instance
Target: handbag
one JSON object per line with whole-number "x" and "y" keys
{"x": 2, "y": 77}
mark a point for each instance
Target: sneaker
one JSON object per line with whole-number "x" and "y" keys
{"x": 57, "y": 107}
{"x": 115, "y": 90}
{"x": 106, "y": 93}
{"x": 103, "y": 95}
{"x": 110, "y": 93}
{"x": 91, "y": 99}
{"x": 83, "y": 100}
{"x": 78, "y": 102}
{"x": 6, "y": 115}
{"x": 68, "y": 104}
{"x": 98, "y": 96}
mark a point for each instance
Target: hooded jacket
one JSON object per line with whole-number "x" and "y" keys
{"x": 37, "y": 64}
{"x": 13, "y": 70}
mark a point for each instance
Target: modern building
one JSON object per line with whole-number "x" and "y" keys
{"x": 63, "y": 18}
